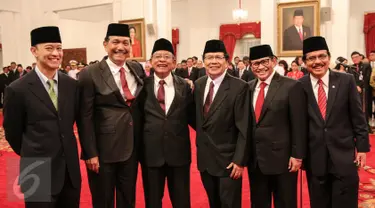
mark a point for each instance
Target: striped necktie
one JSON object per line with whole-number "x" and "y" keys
{"x": 52, "y": 93}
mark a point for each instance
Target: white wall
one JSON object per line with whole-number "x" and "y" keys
{"x": 356, "y": 35}
{"x": 80, "y": 34}
{"x": 200, "y": 21}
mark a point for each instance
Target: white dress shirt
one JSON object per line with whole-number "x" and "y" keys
{"x": 217, "y": 83}
{"x": 257, "y": 88}
{"x": 279, "y": 69}
{"x": 298, "y": 29}
{"x": 168, "y": 90}
{"x": 315, "y": 85}
{"x": 44, "y": 80}
{"x": 73, "y": 73}
{"x": 240, "y": 72}
{"x": 132, "y": 83}
{"x": 372, "y": 63}
{"x": 189, "y": 70}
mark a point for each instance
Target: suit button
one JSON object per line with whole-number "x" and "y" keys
{"x": 59, "y": 118}
{"x": 130, "y": 123}
{"x": 325, "y": 129}
{"x": 257, "y": 142}
{"x": 62, "y": 136}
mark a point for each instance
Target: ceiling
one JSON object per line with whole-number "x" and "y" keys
{"x": 91, "y": 14}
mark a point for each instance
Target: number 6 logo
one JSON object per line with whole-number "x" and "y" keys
{"x": 23, "y": 177}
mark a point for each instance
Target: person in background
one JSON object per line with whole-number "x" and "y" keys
{"x": 28, "y": 69}
{"x": 285, "y": 66}
{"x": 195, "y": 61}
{"x": 301, "y": 65}
{"x": 148, "y": 68}
{"x": 231, "y": 69}
{"x": 340, "y": 67}
{"x": 236, "y": 60}
{"x": 33, "y": 65}
{"x": 74, "y": 69}
{"x": 242, "y": 73}
{"x": 295, "y": 73}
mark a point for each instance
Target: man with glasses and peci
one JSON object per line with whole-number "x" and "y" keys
{"x": 222, "y": 116}
{"x": 167, "y": 108}
{"x": 278, "y": 132}
{"x": 338, "y": 138}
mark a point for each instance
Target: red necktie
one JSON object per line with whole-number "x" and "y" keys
{"x": 260, "y": 101}
{"x": 161, "y": 94}
{"x": 128, "y": 95}
{"x": 300, "y": 34}
{"x": 208, "y": 102}
{"x": 322, "y": 99}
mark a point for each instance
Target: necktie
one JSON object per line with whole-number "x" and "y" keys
{"x": 128, "y": 95}
{"x": 161, "y": 94}
{"x": 300, "y": 34}
{"x": 322, "y": 99}
{"x": 260, "y": 101}
{"x": 52, "y": 93}
{"x": 208, "y": 102}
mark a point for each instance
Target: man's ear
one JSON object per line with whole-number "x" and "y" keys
{"x": 33, "y": 50}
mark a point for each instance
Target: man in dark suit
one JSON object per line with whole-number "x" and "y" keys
{"x": 362, "y": 73}
{"x": 109, "y": 124}
{"x": 337, "y": 130}
{"x": 278, "y": 132}
{"x": 222, "y": 116}
{"x": 167, "y": 106}
{"x": 4, "y": 82}
{"x": 190, "y": 72}
{"x": 295, "y": 34}
{"x": 39, "y": 113}
{"x": 242, "y": 73}
{"x": 13, "y": 72}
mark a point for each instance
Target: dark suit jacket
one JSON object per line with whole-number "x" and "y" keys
{"x": 13, "y": 75}
{"x": 222, "y": 136}
{"x": 343, "y": 131}
{"x": 108, "y": 127}
{"x": 281, "y": 131}
{"x": 291, "y": 39}
{"x": 246, "y": 75}
{"x": 202, "y": 72}
{"x": 34, "y": 128}
{"x": 184, "y": 73}
{"x": 166, "y": 138}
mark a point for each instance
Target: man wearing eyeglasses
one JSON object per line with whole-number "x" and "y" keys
{"x": 109, "y": 121}
{"x": 222, "y": 117}
{"x": 279, "y": 132}
{"x": 338, "y": 138}
{"x": 167, "y": 108}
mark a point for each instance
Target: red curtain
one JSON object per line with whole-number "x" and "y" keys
{"x": 230, "y": 44}
{"x": 369, "y": 30}
{"x": 175, "y": 39}
{"x": 229, "y": 33}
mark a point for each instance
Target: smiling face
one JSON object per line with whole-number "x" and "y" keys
{"x": 118, "y": 48}
{"x": 163, "y": 62}
{"x": 263, "y": 67}
{"x": 317, "y": 63}
{"x": 48, "y": 55}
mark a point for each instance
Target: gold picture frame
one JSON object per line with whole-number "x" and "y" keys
{"x": 290, "y": 31}
{"x": 138, "y": 36}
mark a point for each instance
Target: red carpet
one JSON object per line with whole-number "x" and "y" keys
{"x": 198, "y": 195}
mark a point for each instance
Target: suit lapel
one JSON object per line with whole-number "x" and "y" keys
{"x": 110, "y": 81}
{"x": 252, "y": 90}
{"x": 334, "y": 85}
{"x": 178, "y": 90}
{"x": 272, "y": 91}
{"x": 63, "y": 91}
{"x": 202, "y": 88}
{"x": 219, "y": 97}
{"x": 311, "y": 97}
{"x": 37, "y": 88}
{"x": 138, "y": 80}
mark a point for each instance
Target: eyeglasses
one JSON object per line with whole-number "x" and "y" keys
{"x": 160, "y": 56}
{"x": 211, "y": 58}
{"x": 321, "y": 57}
{"x": 264, "y": 62}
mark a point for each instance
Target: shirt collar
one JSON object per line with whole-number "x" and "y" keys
{"x": 44, "y": 78}
{"x": 268, "y": 80}
{"x": 325, "y": 79}
{"x": 114, "y": 68}
{"x": 218, "y": 80}
{"x": 168, "y": 80}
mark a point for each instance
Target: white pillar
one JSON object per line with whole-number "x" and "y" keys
{"x": 268, "y": 19}
{"x": 340, "y": 25}
{"x": 164, "y": 21}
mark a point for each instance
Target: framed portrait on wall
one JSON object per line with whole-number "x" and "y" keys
{"x": 138, "y": 38}
{"x": 296, "y": 21}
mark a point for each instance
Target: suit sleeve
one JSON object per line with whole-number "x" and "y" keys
{"x": 298, "y": 120}
{"x": 14, "y": 119}
{"x": 86, "y": 122}
{"x": 358, "y": 118}
{"x": 190, "y": 106}
{"x": 241, "y": 117}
